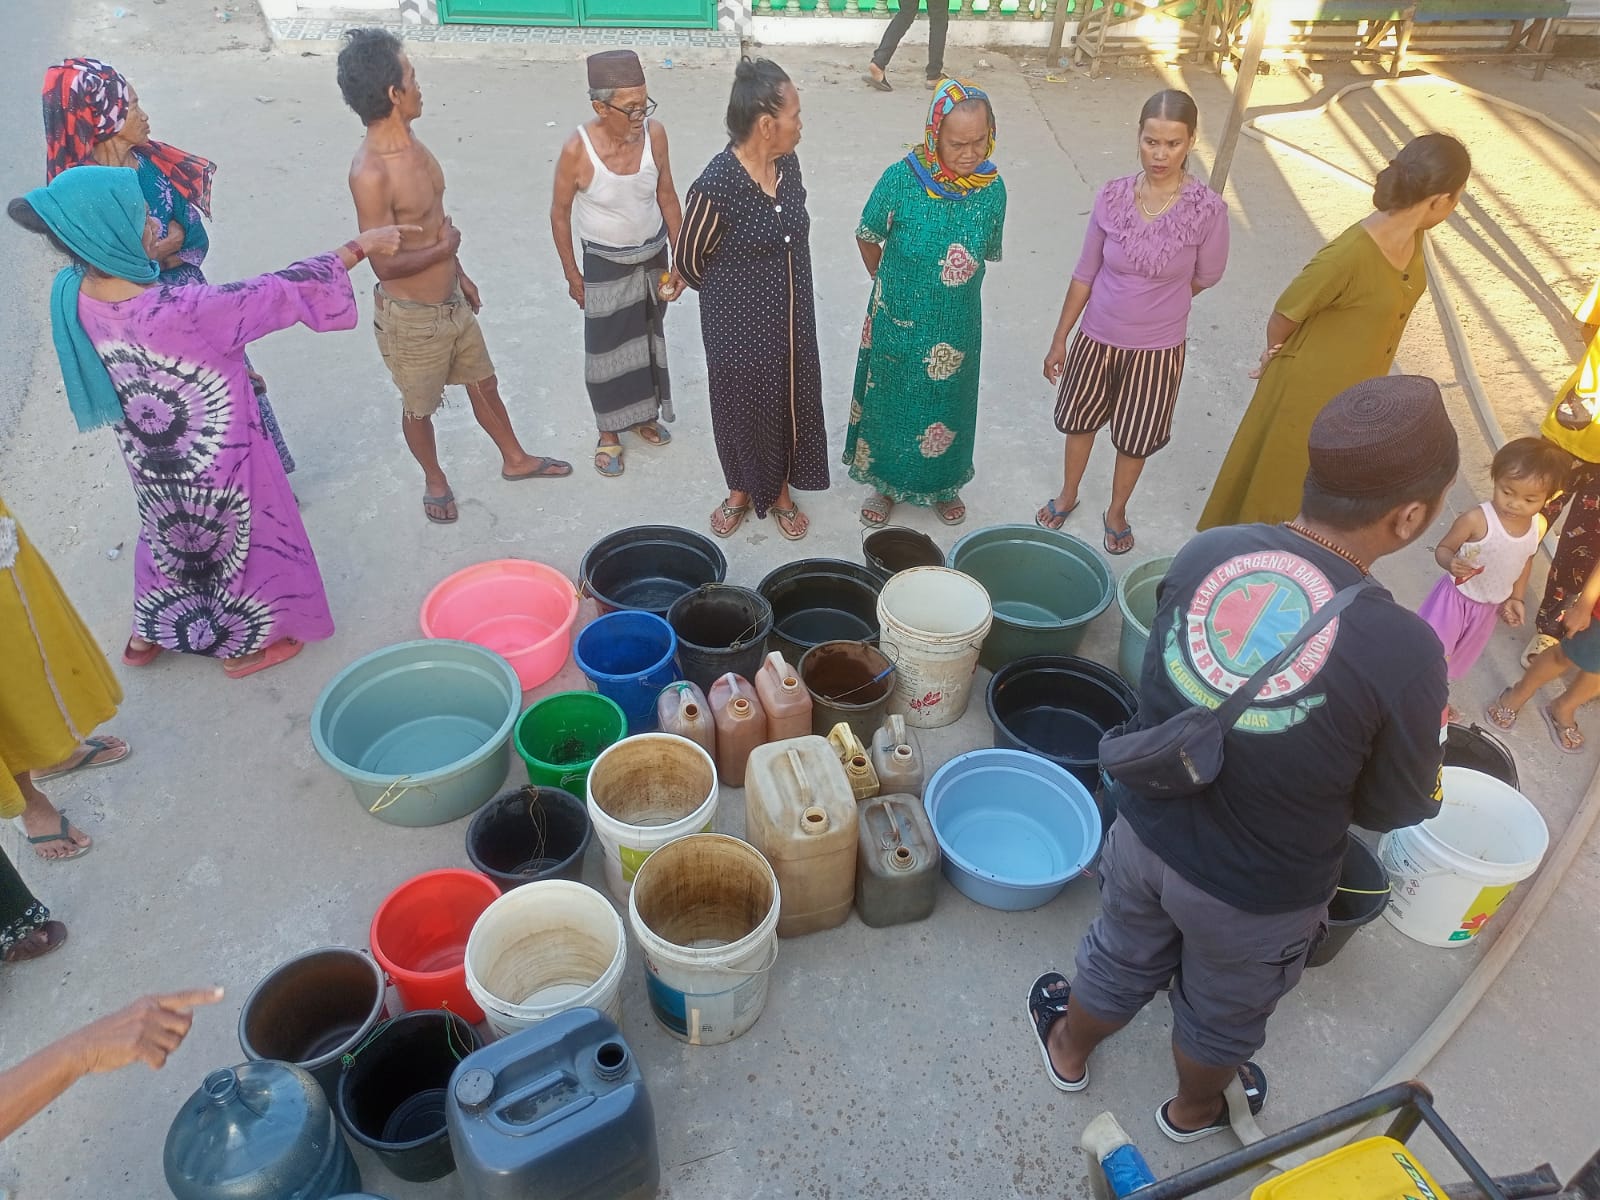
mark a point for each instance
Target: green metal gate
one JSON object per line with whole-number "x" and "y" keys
{"x": 657, "y": 14}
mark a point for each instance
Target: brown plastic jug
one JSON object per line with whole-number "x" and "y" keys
{"x": 785, "y": 698}
{"x": 681, "y": 708}
{"x": 741, "y": 725}
{"x": 800, "y": 814}
{"x": 897, "y": 868}
{"x": 897, "y": 758}
{"x": 853, "y": 758}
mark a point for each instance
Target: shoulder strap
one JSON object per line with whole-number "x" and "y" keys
{"x": 1231, "y": 709}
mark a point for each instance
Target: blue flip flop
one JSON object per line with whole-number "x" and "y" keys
{"x": 1116, "y": 535}
{"x": 1056, "y": 515}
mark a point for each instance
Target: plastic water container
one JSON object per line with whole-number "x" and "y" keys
{"x": 312, "y": 1010}
{"x": 853, "y": 758}
{"x": 558, "y": 1111}
{"x": 644, "y": 792}
{"x": 800, "y": 813}
{"x": 682, "y": 709}
{"x": 1450, "y": 874}
{"x": 897, "y": 863}
{"x": 934, "y": 621}
{"x": 897, "y": 759}
{"x": 741, "y": 726}
{"x": 784, "y": 698}
{"x": 260, "y": 1131}
{"x": 520, "y": 609}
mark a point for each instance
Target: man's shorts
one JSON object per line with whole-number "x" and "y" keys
{"x": 1228, "y": 968}
{"x": 427, "y": 346}
{"x": 1583, "y": 649}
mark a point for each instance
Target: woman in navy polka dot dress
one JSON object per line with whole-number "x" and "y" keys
{"x": 745, "y": 247}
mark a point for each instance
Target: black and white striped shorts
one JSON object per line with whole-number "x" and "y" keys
{"x": 1135, "y": 390}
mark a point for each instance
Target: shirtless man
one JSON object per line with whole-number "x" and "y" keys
{"x": 426, "y": 306}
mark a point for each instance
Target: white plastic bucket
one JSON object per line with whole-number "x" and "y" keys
{"x": 644, "y": 792}
{"x": 543, "y": 948}
{"x": 932, "y": 624}
{"x": 1449, "y": 875}
{"x": 705, "y": 911}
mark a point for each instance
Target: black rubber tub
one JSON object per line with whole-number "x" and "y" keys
{"x": 648, "y": 567}
{"x": 1477, "y": 749}
{"x": 1362, "y": 896}
{"x": 530, "y": 833}
{"x": 1058, "y": 707}
{"x": 819, "y": 600}
{"x": 894, "y": 548}
{"x": 720, "y": 628}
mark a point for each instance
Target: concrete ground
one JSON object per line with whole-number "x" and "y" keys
{"x": 894, "y": 1062}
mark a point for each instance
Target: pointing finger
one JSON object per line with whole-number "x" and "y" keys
{"x": 194, "y": 998}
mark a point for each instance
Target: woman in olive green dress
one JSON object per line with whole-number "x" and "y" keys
{"x": 932, "y": 222}
{"x": 1337, "y": 324}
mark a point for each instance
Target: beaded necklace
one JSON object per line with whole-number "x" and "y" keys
{"x": 1296, "y": 527}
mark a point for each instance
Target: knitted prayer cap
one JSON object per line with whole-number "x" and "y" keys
{"x": 1380, "y": 436}
{"x": 615, "y": 69}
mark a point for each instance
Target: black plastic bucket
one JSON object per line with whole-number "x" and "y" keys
{"x": 1477, "y": 749}
{"x": 894, "y": 548}
{"x": 850, "y": 682}
{"x": 1058, "y": 707}
{"x": 530, "y": 833}
{"x": 391, "y": 1097}
{"x": 313, "y": 1009}
{"x": 647, "y": 567}
{"x": 720, "y": 628}
{"x": 821, "y": 600}
{"x": 1362, "y": 896}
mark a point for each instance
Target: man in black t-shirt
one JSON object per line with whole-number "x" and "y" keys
{"x": 1224, "y": 893}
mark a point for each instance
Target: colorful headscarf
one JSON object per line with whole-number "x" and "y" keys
{"x": 924, "y": 160}
{"x": 85, "y": 102}
{"x": 99, "y": 214}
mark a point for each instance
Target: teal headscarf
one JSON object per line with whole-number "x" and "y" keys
{"x": 99, "y": 214}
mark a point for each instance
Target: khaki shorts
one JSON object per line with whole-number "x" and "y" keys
{"x": 427, "y": 346}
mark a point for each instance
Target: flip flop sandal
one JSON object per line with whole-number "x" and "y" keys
{"x": 879, "y": 85}
{"x": 1540, "y": 643}
{"x": 945, "y": 507}
{"x": 784, "y": 517}
{"x": 445, "y": 503}
{"x": 1052, "y": 518}
{"x": 548, "y": 468}
{"x": 1116, "y": 535}
{"x": 1045, "y": 1007}
{"x": 280, "y": 651}
{"x": 140, "y": 658}
{"x": 77, "y": 851}
{"x": 608, "y": 460}
{"x": 1561, "y": 734}
{"x": 1501, "y": 717}
{"x": 733, "y": 516}
{"x": 876, "y": 510}
{"x": 102, "y": 753}
{"x": 1254, "y": 1080}
{"x": 654, "y": 433}
{"x": 26, "y": 948}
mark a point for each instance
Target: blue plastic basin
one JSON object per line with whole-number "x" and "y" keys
{"x": 422, "y": 730}
{"x": 1014, "y": 828}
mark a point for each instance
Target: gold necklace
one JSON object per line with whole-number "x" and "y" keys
{"x": 1296, "y": 527}
{"x": 1170, "y": 199}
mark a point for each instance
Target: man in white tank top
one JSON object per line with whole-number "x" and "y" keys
{"x": 613, "y": 186}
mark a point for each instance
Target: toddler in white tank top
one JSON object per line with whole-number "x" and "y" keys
{"x": 1488, "y": 552}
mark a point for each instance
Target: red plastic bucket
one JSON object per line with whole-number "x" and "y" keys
{"x": 419, "y": 934}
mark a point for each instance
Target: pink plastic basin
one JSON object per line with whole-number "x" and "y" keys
{"x": 521, "y": 610}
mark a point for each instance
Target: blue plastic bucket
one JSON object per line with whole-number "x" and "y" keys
{"x": 422, "y": 730}
{"x": 629, "y": 656}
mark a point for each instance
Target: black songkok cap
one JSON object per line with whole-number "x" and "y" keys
{"x": 1381, "y": 435}
{"x": 615, "y": 69}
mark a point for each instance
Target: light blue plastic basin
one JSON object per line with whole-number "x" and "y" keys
{"x": 1014, "y": 828}
{"x": 422, "y": 730}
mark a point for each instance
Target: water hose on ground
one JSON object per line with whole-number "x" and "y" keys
{"x": 1549, "y": 879}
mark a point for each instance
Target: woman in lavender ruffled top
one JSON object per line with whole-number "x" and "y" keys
{"x": 1156, "y": 239}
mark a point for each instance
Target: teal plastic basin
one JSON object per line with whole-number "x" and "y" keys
{"x": 1045, "y": 586}
{"x": 421, "y": 730}
{"x": 1136, "y": 597}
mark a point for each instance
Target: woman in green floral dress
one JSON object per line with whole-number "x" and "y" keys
{"x": 932, "y": 222}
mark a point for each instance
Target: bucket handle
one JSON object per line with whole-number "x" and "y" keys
{"x": 772, "y": 958}
{"x": 385, "y": 800}
{"x": 894, "y": 665}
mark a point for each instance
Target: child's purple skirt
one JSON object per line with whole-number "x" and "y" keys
{"x": 1463, "y": 625}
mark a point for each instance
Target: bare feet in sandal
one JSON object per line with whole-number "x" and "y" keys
{"x": 1501, "y": 715}
{"x": 725, "y": 521}
{"x": 791, "y": 522}
{"x": 876, "y": 510}
{"x": 37, "y": 943}
{"x": 53, "y": 837}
